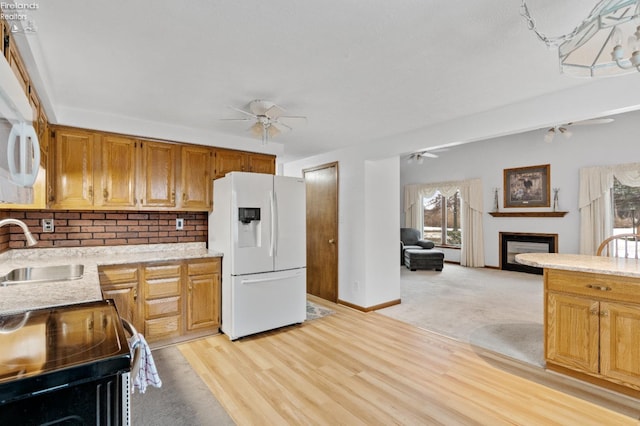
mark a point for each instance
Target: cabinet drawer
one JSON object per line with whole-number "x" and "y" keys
{"x": 162, "y": 271}
{"x": 162, "y": 288}
{"x": 115, "y": 275}
{"x": 204, "y": 268}
{"x": 162, "y": 307}
{"x": 160, "y": 328}
{"x": 593, "y": 285}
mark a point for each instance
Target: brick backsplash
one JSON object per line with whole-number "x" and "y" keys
{"x": 104, "y": 228}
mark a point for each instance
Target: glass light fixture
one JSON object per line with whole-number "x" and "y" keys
{"x": 597, "y": 46}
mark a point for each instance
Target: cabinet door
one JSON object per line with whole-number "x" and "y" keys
{"x": 195, "y": 179}
{"x": 120, "y": 283}
{"x": 228, "y": 160}
{"x": 16, "y": 64}
{"x": 203, "y": 294}
{"x": 572, "y": 331}
{"x": 620, "y": 343}
{"x": 117, "y": 184}
{"x": 158, "y": 174}
{"x": 262, "y": 163}
{"x": 73, "y": 170}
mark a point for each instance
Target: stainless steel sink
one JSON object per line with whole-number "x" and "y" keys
{"x": 38, "y": 274}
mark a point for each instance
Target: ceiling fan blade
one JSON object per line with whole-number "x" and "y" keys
{"x": 281, "y": 126}
{"x": 274, "y": 111}
{"x": 299, "y": 117}
{"x": 235, "y": 119}
{"x": 428, "y": 154}
{"x": 243, "y": 111}
{"x": 591, "y": 121}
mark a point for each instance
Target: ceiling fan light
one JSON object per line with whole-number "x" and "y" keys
{"x": 548, "y": 137}
{"x": 566, "y": 132}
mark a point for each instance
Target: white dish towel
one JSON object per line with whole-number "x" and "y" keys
{"x": 148, "y": 373}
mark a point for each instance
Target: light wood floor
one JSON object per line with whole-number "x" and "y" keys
{"x": 355, "y": 368}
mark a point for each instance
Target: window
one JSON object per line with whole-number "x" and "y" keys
{"x": 442, "y": 219}
{"x": 626, "y": 208}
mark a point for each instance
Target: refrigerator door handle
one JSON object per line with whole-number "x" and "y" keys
{"x": 272, "y": 243}
{"x": 266, "y": 280}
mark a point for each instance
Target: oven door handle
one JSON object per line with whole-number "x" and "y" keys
{"x": 135, "y": 362}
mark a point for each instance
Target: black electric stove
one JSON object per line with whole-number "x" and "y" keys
{"x": 59, "y": 362}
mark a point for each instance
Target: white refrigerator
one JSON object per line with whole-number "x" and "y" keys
{"x": 258, "y": 222}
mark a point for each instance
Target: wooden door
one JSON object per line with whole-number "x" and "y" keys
{"x": 117, "y": 185}
{"x": 195, "y": 179}
{"x": 158, "y": 176}
{"x": 620, "y": 342}
{"x": 322, "y": 231}
{"x": 73, "y": 172}
{"x": 572, "y": 336}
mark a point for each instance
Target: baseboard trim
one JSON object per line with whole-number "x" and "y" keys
{"x": 369, "y": 308}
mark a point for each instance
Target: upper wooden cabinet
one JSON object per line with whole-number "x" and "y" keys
{"x": 73, "y": 169}
{"x": 158, "y": 174}
{"x": 195, "y": 180}
{"x": 227, "y": 160}
{"x": 101, "y": 171}
{"x": 116, "y": 179}
{"x": 16, "y": 64}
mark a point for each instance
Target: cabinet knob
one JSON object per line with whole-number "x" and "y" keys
{"x": 332, "y": 241}
{"x": 91, "y": 192}
{"x": 105, "y": 194}
{"x": 594, "y": 312}
{"x": 184, "y": 196}
{"x": 604, "y": 313}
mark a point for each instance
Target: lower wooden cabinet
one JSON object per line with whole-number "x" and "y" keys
{"x": 166, "y": 301}
{"x": 592, "y": 327}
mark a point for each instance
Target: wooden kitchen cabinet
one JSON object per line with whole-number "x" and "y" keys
{"x": 16, "y": 64}
{"x": 203, "y": 294}
{"x": 195, "y": 178}
{"x": 162, "y": 284}
{"x": 158, "y": 174}
{"x": 116, "y": 168}
{"x": 120, "y": 283}
{"x": 73, "y": 169}
{"x": 227, "y": 160}
{"x": 167, "y": 302}
{"x": 592, "y": 327}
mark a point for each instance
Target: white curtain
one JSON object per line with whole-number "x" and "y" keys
{"x": 596, "y": 183}
{"x": 472, "y": 249}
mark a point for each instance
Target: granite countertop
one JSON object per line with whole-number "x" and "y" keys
{"x": 22, "y": 297}
{"x": 582, "y": 263}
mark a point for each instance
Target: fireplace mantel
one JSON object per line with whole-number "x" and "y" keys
{"x": 528, "y": 214}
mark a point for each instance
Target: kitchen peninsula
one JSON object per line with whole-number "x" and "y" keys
{"x": 592, "y": 317}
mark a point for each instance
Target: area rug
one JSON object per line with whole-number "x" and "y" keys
{"x": 497, "y": 310}
{"x": 315, "y": 311}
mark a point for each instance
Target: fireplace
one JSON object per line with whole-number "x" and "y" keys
{"x": 512, "y": 243}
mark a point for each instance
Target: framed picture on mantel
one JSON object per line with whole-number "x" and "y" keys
{"x": 527, "y": 186}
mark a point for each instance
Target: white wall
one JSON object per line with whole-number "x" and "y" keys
{"x": 368, "y": 242}
{"x": 613, "y": 143}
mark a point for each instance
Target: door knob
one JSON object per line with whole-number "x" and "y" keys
{"x": 331, "y": 241}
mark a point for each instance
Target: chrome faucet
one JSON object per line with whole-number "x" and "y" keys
{"x": 31, "y": 241}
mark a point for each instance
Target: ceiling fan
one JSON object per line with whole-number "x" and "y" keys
{"x": 563, "y": 129}
{"x": 419, "y": 156}
{"x": 268, "y": 119}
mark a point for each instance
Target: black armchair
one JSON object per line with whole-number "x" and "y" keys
{"x": 410, "y": 238}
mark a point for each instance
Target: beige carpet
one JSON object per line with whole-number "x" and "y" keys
{"x": 497, "y": 310}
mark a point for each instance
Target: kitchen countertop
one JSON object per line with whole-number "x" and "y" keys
{"x": 22, "y": 297}
{"x": 582, "y": 263}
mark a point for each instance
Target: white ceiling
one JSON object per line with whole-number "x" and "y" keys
{"x": 360, "y": 71}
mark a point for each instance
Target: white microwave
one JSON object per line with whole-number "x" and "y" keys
{"x": 19, "y": 147}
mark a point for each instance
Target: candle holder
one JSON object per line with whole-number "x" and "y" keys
{"x": 496, "y": 206}
{"x": 555, "y": 199}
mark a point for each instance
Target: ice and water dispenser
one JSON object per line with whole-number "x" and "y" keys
{"x": 248, "y": 227}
